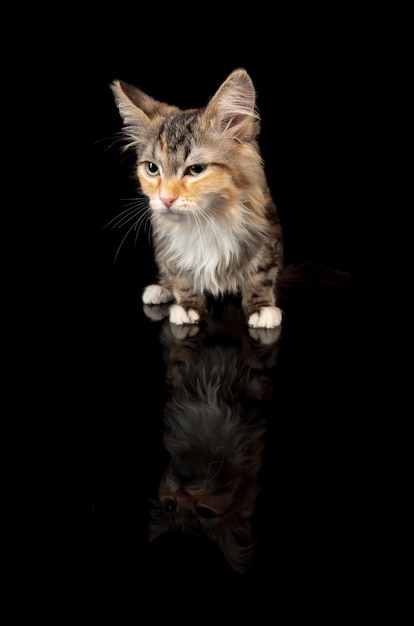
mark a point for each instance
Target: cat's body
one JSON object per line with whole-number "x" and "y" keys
{"x": 219, "y": 379}
{"x": 214, "y": 223}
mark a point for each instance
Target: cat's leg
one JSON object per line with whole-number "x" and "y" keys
{"x": 265, "y": 336}
{"x": 266, "y": 317}
{"x": 182, "y": 332}
{"x": 189, "y": 307}
{"x": 156, "y": 312}
{"x": 180, "y": 315}
{"x": 186, "y": 307}
{"x": 156, "y": 294}
{"x": 259, "y": 301}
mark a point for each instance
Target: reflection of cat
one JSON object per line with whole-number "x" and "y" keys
{"x": 218, "y": 381}
{"x": 214, "y": 223}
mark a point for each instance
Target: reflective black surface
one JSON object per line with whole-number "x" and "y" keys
{"x": 312, "y": 468}
{"x": 325, "y": 461}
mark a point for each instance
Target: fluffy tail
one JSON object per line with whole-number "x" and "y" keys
{"x": 311, "y": 275}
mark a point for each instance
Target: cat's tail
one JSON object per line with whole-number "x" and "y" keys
{"x": 308, "y": 275}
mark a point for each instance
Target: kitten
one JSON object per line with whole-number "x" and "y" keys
{"x": 218, "y": 383}
{"x": 214, "y": 223}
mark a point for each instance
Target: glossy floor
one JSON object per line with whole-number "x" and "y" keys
{"x": 265, "y": 422}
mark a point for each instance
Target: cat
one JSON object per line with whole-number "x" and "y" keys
{"x": 214, "y": 222}
{"x": 219, "y": 379}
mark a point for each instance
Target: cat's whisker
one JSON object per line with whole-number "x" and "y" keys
{"x": 197, "y": 223}
{"x": 123, "y": 239}
{"x": 210, "y": 478}
{"x": 114, "y": 139}
{"x": 138, "y": 213}
{"x": 143, "y": 220}
{"x": 123, "y": 218}
{"x": 133, "y": 208}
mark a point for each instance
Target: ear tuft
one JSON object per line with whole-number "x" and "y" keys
{"x": 133, "y": 105}
{"x": 232, "y": 109}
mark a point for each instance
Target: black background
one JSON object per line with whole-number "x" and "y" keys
{"x": 98, "y": 384}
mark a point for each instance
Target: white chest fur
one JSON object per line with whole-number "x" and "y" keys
{"x": 207, "y": 253}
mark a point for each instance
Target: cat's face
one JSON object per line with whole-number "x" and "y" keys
{"x": 190, "y": 178}
{"x": 210, "y": 498}
{"x": 199, "y": 487}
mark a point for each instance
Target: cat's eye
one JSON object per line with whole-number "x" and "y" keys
{"x": 205, "y": 512}
{"x": 151, "y": 168}
{"x": 170, "y": 505}
{"x": 195, "y": 170}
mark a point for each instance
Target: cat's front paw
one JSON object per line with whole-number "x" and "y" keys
{"x": 178, "y": 315}
{"x": 156, "y": 312}
{"x": 266, "y": 317}
{"x": 155, "y": 294}
{"x": 265, "y": 336}
{"x": 184, "y": 331}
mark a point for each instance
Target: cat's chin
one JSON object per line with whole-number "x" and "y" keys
{"x": 172, "y": 216}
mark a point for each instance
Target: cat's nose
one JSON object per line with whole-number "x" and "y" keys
{"x": 168, "y": 200}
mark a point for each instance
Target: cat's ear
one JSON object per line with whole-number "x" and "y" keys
{"x": 135, "y": 107}
{"x": 157, "y": 527}
{"x": 237, "y": 547}
{"x": 232, "y": 110}
{"x": 138, "y": 110}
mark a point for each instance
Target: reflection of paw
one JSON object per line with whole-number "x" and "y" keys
{"x": 156, "y": 312}
{"x": 155, "y": 294}
{"x": 184, "y": 331}
{"x": 178, "y": 315}
{"x": 265, "y": 336}
{"x": 266, "y": 317}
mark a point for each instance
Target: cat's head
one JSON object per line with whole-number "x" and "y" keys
{"x": 211, "y": 497}
{"x": 194, "y": 160}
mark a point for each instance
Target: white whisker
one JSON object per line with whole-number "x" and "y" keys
{"x": 138, "y": 213}
{"x": 210, "y": 478}
{"x": 122, "y": 241}
{"x": 123, "y": 218}
{"x": 114, "y": 139}
{"x": 197, "y": 223}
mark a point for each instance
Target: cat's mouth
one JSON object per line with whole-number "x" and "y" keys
{"x": 173, "y": 214}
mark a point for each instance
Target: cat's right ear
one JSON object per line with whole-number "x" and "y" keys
{"x": 139, "y": 113}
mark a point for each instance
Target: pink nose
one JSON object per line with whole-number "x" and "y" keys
{"x": 167, "y": 200}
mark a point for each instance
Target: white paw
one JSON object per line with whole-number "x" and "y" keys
{"x": 184, "y": 331}
{"x": 156, "y": 312}
{"x": 266, "y": 317}
{"x": 265, "y": 336}
{"x": 155, "y": 294}
{"x": 178, "y": 315}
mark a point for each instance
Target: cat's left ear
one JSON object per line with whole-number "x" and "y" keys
{"x": 237, "y": 547}
{"x": 232, "y": 110}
